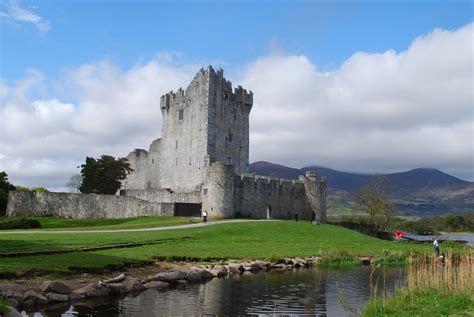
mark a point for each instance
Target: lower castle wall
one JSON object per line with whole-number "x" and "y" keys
{"x": 270, "y": 198}
{"x": 68, "y": 205}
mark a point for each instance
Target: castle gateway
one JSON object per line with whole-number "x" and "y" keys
{"x": 201, "y": 160}
{"x": 199, "y": 164}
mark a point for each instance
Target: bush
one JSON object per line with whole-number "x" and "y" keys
{"x": 22, "y": 223}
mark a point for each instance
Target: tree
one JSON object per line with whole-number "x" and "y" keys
{"x": 104, "y": 175}
{"x": 74, "y": 183}
{"x": 5, "y": 187}
{"x": 373, "y": 199}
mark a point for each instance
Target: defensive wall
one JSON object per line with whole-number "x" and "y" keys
{"x": 68, "y": 205}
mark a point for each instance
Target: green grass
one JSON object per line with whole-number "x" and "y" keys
{"x": 420, "y": 302}
{"x": 340, "y": 261}
{"x": 3, "y": 306}
{"x": 247, "y": 240}
{"x": 53, "y": 223}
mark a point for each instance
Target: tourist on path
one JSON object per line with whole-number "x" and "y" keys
{"x": 296, "y": 216}
{"x": 436, "y": 246}
{"x": 204, "y": 216}
{"x": 313, "y": 216}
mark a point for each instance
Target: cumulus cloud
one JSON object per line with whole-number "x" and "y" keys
{"x": 385, "y": 111}
{"x": 378, "y": 112}
{"x": 14, "y": 12}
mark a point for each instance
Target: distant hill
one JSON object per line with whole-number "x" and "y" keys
{"x": 419, "y": 191}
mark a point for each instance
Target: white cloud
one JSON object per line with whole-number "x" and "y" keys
{"x": 377, "y": 112}
{"x": 14, "y": 12}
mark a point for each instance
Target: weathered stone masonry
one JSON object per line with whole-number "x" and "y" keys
{"x": 200, "y": 163}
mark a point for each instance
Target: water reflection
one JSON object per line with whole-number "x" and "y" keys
{"x": 305, "y": 292}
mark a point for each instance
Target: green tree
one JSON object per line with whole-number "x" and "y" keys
{"x": 5, "y": 187}
{"x": 104, "y": 175}
{"x": 373, "y": 199}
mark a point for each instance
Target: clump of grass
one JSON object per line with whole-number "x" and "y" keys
{"x": 4, "y": 305}
{"x": 339, "y": 261}
{"x": 392, "y": 259}
{"x": 21, "y": 223}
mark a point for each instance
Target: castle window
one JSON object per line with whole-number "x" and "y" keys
{"x": 176, "y": 146}
{"x": 228, "y": 138}
{"x": 224, "y": 94}
{"x": 181, "y": 114}
{"x": 153, "y": 161}
{"x": 204, "y": 191}
{"x": 228, "y": 160}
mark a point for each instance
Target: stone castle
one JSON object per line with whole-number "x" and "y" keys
{"x": 199, "y": 164}
{"x": 201, "y": 160}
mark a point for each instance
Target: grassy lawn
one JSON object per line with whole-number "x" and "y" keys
{"x": 247, "y": 240}
{"x": 52, "y": 223}
{"x": 421, "y": 303}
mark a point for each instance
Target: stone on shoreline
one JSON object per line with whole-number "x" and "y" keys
{"x": 116, "y": 288}
{"x": 34, "y": 298}
{"x": 157, "y": 285}
{"x": 91, "y": 291}
{"x": 56, "y": 297}
{"x": 116, "y": 279}
{"x": 234, "y": 268}
{"x": 219, "y": 271}
{"x": 170, "y": 277}
{"x": 55, "y": 287}
{"x": 193, "y": 276}
{"x": 133, "y": 285}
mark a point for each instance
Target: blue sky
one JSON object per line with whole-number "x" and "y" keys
{"x": 361, "y": 86}
{"x": 222, "y": 32}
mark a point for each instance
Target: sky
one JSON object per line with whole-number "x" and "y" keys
{"x": 360, "y": 86}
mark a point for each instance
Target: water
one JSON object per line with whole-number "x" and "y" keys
{"x": 468, "y": 237}
{"x": 304, "y": 292}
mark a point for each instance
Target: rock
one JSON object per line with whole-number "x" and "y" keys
{"x": 76, "y": 297}
{"x": 234, "y": 268}
{"x": 11, "y": 312}
{"x": 365, "y": 260}
{"x": 193, "y": 276}
{"x": 157, "y": 285}
{"x": 205, "y": 274}
{"x": 55, "y": 297}
{"x": 170, "y": 277}
{"x": 116, "y": 288}
{"x": 56, "y": 287}
{"x": 279, "y": 266}
{"x": 34, "y": 298}
{"x": 6, "y": 294}
{"x": 13, "y": 302}
{"x": 255, "y": 266}
{"x": 91, "y": 290}
{"x": 133, "y": 285}
{"x": 219, "y": 271}
{"x": 116, "y": 279}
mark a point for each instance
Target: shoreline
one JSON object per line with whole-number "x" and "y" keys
{"x": 46, "y": 290}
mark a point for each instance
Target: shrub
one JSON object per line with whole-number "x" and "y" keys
{"x": 4, "y": 306}
{"x": 22, "y": 223}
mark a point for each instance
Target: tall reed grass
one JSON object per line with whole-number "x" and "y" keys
{"x": 434, "y": 287}
{"x": 454, "y": 275}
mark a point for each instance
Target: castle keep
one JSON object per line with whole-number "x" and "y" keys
{"x": 198, "y": 164}
{"x": 201, "y": 160}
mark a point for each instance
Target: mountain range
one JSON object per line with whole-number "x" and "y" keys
{"x": 418, "y": 192}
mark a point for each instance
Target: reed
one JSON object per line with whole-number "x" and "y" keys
{"x": 454, "y": 276}
{"x": 433, "y": 288}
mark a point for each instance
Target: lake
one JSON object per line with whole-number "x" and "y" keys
{"x": 303, "y": 292}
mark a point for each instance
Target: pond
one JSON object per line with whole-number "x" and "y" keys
{"x": 303, "y": 292}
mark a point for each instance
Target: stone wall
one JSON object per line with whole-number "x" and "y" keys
{"x": 270, "y": 198}
{"x": 163, "y": 195}
{"x": 70, "y": 205}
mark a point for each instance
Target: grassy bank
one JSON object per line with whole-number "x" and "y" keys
{"x": 53, "y": 223}
{"x": 433, "y": 289}
{"x": 249, "y": 240}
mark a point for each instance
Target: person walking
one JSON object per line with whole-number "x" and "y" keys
{"x": 436, "y": 246}
{"x": 296, "y": 216}
{"x": 204, "y": 216}
{"x": 313, "y": 216}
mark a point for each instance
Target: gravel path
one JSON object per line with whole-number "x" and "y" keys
{"x": 191, "y": 225}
